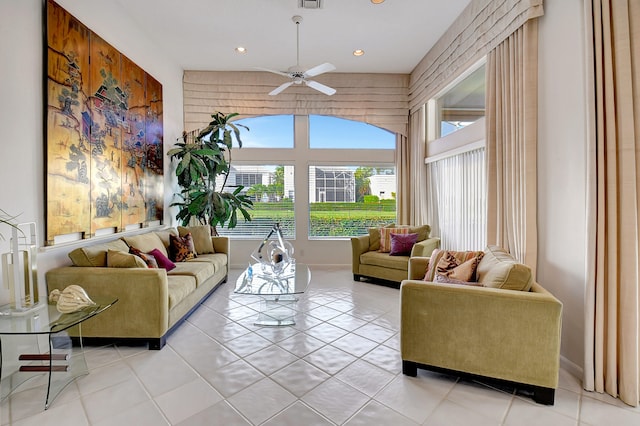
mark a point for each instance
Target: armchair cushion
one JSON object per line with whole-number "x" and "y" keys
{"x": 498, "y": 269}
{"x": 401, "y": 245}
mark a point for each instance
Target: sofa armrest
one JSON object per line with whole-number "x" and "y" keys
{"x": 418, "y": 267}
{"x": 359, "y": 246}
{"x": 512, "y": 335}
{"x": 143, "y": 298}
{"x": 424, "y": 248}
{"x": 221, "y": 244}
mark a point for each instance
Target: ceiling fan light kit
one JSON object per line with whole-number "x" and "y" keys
{"x": 300, "y": 76}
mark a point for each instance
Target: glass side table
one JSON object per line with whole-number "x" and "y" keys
{"x": 59, "y": 360}
{"x": 277, "y": 291}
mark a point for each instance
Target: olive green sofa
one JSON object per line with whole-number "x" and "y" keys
{"x": 368, "y": 262}
{"x": 151, "y": 301}
{"x": 485, "y": 331}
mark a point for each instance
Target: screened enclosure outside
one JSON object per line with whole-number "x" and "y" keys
{"x": 347, "y": 200}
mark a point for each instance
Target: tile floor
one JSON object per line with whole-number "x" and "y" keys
{"x": 338, "y": 365}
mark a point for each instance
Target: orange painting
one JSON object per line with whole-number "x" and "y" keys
{"x": 104, "y": 134}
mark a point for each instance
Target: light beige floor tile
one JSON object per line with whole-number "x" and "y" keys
{"x": 193, "y": 397}
{"x": 385, "y": 357}
{"x": 104, "y": 377}
{"x": 145, "y": 414}
{"x": 365, "y": 377}
{"x": 335, "y": 400}
{"x": 262, "y": 400}
{"x": 330, "y": 359}
{"x": 347, "y": 322}
{"x": 247, "y": 344}
{"x": 374, "y": 332}
{"x": 276, "y": 334}
{"x": 354, "y": 344}
{"x": 451, "y": 414}
{"x": 234, "y": 377}
{"x": 522, "y": 413}
{"x": 221, "y": 413}
{"x": 301, "y": 344}
{"x": 375, "y": 413}
{"x": 161, "y": 371}
{"x": 324, "y": 313}
{"x": 300, "y": 377}
{"x": 99, "y": 357}
{"x": 296, "y": 415}
{"x": 595, "y": 413}
{"x": 480, "y": 399}
{"x": 118, "y": 398}
{"x": 69, "y": 414}
{"x": 326, "y": 332}
{"x": 271, "y": 359}
{"x": 414, "y": 397}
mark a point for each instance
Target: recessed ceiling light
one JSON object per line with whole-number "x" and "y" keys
{"x": 358, "y": 52}
{"x": 241, "y": 49}
{"x": 377, "y": 1}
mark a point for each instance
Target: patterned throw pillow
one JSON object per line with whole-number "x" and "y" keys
{"x": 148, "y": 259}
{"x": 401, "y": 244}
{"x": 181, "y": 248}
{"x": 385, "y": 237}
{"x": 460, "y": 258}
{"x": 457, "y": 269}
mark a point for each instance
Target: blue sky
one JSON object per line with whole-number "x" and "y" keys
{"x": 325, "y": 132}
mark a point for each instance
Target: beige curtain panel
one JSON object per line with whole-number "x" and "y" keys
{"x": 612, "y": 309}
{"x": 480, "y": 28}
{"x": 377, "y": 99}
{"x": 511, "y": 145}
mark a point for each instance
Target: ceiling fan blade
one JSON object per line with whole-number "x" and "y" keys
{"x": 320, "y": 69}
{"x": 320, "y": 87}
{"x": 273, "y": 71}
{"x": 280, "y": 88}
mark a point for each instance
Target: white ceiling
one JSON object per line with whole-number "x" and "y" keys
{"x": 202, "y": 34}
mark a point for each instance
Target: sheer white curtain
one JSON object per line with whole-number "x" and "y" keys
{"x": 457, "y": 192}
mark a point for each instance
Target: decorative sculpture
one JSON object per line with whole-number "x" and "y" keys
{"x": 278, "y": 254}
{"x": 19, "y": 268}
{"x": 73, "y": 298}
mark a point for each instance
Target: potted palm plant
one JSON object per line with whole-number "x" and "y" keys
{"x": 203, "y": 163}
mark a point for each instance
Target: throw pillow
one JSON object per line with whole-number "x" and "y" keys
{"x": 447, "y": 280}
{"x": 121, "y": 259}
{"x": 181, "y": 248}
{"x": 201, "y": 237}
{"x": 460, "y": 256}
{"x": 401, "y": 244}
{"x": 385, "y": 237}
{"x": 374, "y": 237}
{"x": 458, "y": 268}
{"x": 145, "y": 242}
{"x": 163, "y": 261}
{"x": 149, "y": 260}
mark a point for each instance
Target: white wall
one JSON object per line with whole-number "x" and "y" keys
{"x": 562, "y": 166}
{"x": 21, "y": 124}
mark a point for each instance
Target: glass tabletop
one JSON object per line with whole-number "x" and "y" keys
{"x": 294, "y": 279}
{"x": 45, "y": 319}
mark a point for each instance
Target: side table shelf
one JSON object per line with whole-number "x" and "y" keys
{"x": 25, "y": 356}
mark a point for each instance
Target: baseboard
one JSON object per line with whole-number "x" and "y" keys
{"x": 572, "y": 368}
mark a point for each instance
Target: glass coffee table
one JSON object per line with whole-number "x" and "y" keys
{"x": 278, "y": 291}
{"x": 37, "y": 342}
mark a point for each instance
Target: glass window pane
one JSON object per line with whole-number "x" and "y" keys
{"x": 347, "y": 200}
{"x": 463, "y": 104}
{"x": 272, "y": 192}
{"x": 267, "y": 131}
{"x": 333, "y": 132}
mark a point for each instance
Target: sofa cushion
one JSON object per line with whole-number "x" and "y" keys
{"x": 218, "y": 260}
{"x": 377, "y": 258}
{"x": 498, "y": 269}
{"x": 179, "y": 287}
{"x": 401, "y": 244}
{"x": 201, "y": 237}
{"x": 122, "y": 259}
{"x": 145, "y": 242}
{"x": 201, "y": 271}
{"x": 385, "y": 237}
{"x": 460, "y": 256}
{"x": 148, "y": 259}
{"x": 374, "y": 237}
{"x": 181, "y": 248}
{"x": 164, "y": 236}
{"x": 96, "y": 255}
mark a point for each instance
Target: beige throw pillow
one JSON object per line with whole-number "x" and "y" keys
{"x": 146, "y": 242}
{"x": 385, "y": 237}
{"x": 121, "y": 259}
{"x": 201, "y": 237}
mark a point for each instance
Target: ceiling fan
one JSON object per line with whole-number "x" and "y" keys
{"x": 300, "y": 76}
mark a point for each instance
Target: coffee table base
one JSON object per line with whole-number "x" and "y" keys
{"x": 276, "y": 311}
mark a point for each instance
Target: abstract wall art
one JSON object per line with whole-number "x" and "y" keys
{"x": 103, "y": 133}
